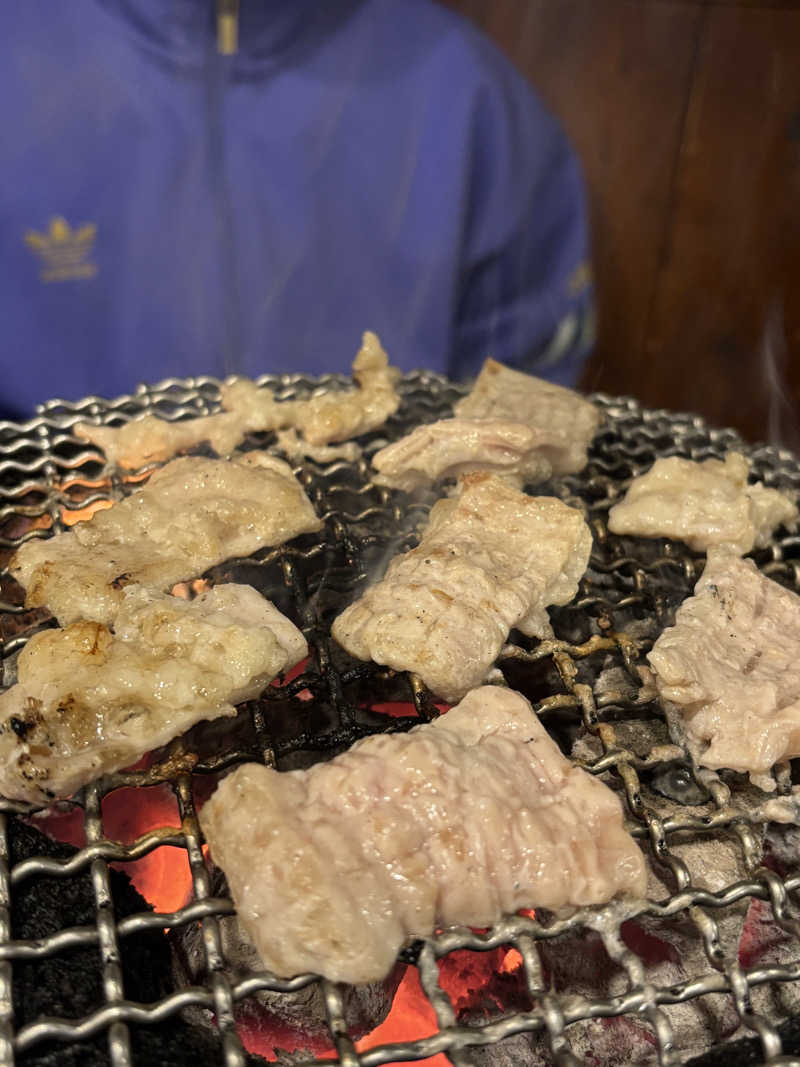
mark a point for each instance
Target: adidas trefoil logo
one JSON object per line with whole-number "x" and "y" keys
{"x": 64, "y": 253}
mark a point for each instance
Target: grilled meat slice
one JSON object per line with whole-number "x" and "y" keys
{"x": 563, "y": 419}
{"x": 730, "y": 666}
{"x": 89, "y": 702}
{"x": 489, "y": 560}
{"x": 460, "y": 821}
{"x": 297, "y": 448}
{"x": 328, "y": 418}
{"x": 152, "y": 440}
{"x": 323, "y": 418}
{"x": 192, "y": 514}
{"x": 703, "y": 504}
{"x": 453, "y": 447}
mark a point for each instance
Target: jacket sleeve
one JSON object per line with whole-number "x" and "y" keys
{"x": 525, "y": 293}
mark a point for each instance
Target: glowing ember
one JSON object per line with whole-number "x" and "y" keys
{"x": 512, "y": 962}
{"x": 162, "y": 876}
{"x": 70, "y": 517}
{"x": 411, "y": 1018}
{"x": 78, "y": 488}
{"x": 291, "y": 674}
{"x": 187, "y": 590}
{"x": 400, "y": 710}
{"x": 482, "y": 985}
{"x": 71, "y": 484}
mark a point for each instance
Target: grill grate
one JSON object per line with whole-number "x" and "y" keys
{"x": 588, "y": 686}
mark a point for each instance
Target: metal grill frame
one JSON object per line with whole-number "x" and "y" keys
{"x": 39, "y": 459}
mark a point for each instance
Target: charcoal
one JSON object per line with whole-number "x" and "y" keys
{"x": 749, "y": 1052}
{"x": 300, "y": 1015}
{"x": 70, "y": 985}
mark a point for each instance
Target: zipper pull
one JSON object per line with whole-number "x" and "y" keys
{"x": 227, "y": 27}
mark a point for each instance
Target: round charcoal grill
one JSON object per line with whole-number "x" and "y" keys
{"x": 713, "y": 954}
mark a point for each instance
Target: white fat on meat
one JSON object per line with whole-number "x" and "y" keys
{"x": 330, "y": 417}
{"x": 150, "y": 440}
{"x": 451, "y": 448}
{"x": 324, "y": 418}
{"x": 730, "y": 666}
{"x": 489, "y": 560}
{"x": 703, "y": 504}
{"x": 192, "y": 514}
{"x": 459, "y": 821}
{"x": 297, "y": 449}
{"x": 89, "y": 701}
{"x": 565, "y": 421}
{"x": 327, "y": 417}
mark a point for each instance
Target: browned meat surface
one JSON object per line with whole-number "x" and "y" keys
{"x": 192, "y": 514}
{"x": 89, "y": 702}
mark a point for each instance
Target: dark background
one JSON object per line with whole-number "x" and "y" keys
{"x": 686, "y": 114}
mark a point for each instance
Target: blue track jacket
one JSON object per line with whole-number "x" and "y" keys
{"x": 358, "y": 164}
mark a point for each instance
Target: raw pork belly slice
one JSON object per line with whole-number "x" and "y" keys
{"x": 489, "y": 559}
{"x": 730, "y": 665}
{"x": 703, "y": 504}
{"x": 459, "y": 821}
{"x": 452, "y": 447}
{"x": 89, "y": 702}
{"x": 191, "y": 515}
{"x": 565, "y": 422}
{"x": 249, "y": 408}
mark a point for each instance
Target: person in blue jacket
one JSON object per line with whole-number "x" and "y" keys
{"x": 167, "y": 209}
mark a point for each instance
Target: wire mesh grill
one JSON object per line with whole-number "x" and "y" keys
{"x": 718, "y": 849}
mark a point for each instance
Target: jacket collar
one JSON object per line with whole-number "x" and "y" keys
{"x": 271, "y": 32}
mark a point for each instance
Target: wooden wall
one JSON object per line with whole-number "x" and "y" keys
{"x": 686, "y": 114}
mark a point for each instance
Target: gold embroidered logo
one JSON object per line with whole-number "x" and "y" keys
{"x": 64, "y": 253}
{"x": 580, "y": 278}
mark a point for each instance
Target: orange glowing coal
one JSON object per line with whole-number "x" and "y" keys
{"x": 71, "y": 516}
{"x": 186, "y": 590}
{"x": 78, "y": 488}
{"x": 162, "y": 876}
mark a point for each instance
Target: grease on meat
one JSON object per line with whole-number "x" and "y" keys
{"x": 730, "y": 667}
{"x": 453, "y": 447}
{"x": 150, "y": 440}
{"x": 192, "y": 514}
{"x": 703, "y": 504}
{"x": 331, "y": 417}
{"x": 323, "y": 419}
{"x": 89, "y": 701}
{"x": 459, "y": 821}
{"x": 564, "y": 420}
{"x": 489, "y": 560}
